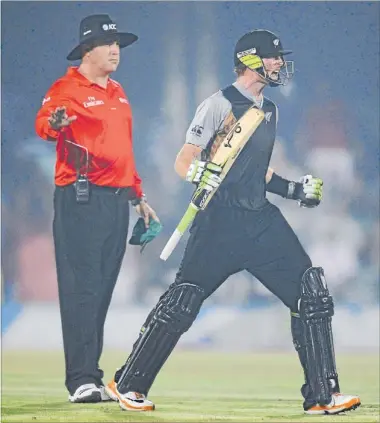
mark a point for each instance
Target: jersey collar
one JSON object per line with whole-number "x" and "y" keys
{"x": 73, "y": 72}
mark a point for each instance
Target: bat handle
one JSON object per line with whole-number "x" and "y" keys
{"x": 171, "y": 244}
{"x": 200, "y": 198}
{"x": 185, "y": 222}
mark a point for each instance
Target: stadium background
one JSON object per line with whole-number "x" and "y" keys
{"x": 328, "y": 126}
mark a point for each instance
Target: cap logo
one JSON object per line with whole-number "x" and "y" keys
{"x": 276, "y": 41}
{"x": 109, "y": 26}
{"x": 246, "y": 52}
{"x": 87, "y": 32}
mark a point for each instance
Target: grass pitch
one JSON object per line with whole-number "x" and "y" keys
{"x": 193, "y": 387}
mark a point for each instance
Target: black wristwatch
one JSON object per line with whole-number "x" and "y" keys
{"x": 136, "y": 201}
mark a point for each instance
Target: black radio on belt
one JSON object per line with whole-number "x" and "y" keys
{"x": 82, "y": 189}
{"x": 82, "y": 185}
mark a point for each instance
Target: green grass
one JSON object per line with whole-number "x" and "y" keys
{"x": 192, "y": 387}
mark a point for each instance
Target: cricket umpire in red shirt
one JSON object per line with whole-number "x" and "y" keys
{"x": 89, "y": 117}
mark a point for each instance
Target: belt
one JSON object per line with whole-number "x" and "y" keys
{"x": 101, "y": 189}
{"x": 110, "y": 190}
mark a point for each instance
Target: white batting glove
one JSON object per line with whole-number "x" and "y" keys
{"x": 312, "y": 191}
{"x": 204, "y": 173}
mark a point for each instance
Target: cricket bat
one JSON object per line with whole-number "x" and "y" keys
{"x": 225, "y": 156}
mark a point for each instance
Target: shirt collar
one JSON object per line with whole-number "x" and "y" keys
{"x": 73, "y": 72}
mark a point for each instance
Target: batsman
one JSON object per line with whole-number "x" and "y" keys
{"x": 241, "y": 230}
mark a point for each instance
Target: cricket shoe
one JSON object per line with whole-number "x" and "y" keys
{"x": 339, "y": 404}
{"x": 131, "y": 401}
{"x": 104, "y": 394}
{"x": 134, "y": 401}
{"x": 111, "y": 390}
{"x": 87, "y": 393}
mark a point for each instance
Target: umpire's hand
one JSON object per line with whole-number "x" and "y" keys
{"x": 59, "y": 118}
{"x": 146, "y": 212}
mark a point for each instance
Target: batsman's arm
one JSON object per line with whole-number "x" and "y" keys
{"x": 308, "y": 192}
{"x": 189, "y": 168}
{"x": 209, "y": 115}
{"x": 269, "y": 175}
{"x": 185, "y": 157}
{"x": 208, "y": 175}
{"x": 208, "y": 118}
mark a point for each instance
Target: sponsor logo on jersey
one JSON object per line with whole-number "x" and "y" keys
{"x": 92, "y": 102}
{"x": 197, "y": 130}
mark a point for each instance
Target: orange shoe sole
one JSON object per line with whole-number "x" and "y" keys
{"x": 335, "y": 409}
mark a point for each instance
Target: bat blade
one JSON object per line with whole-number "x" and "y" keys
{"x": 225, "y": 156}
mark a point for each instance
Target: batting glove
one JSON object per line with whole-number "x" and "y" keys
{"x": 205, "y": 174}
{"x": 309, "y": 191}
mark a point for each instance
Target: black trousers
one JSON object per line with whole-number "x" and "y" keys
{"x": 90, "y": 241}
{"x": 224, "y": 241}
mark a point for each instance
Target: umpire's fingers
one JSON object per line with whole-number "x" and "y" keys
{"x": 144, "y": 213}
{"x": 154, "y": 215}
{"x": 146, "y": 217}
{"x": 60, "y": 112}
{"x": 71, "y": 119}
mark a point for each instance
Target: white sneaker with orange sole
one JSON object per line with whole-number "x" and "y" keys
{"x": 134, "y": 401}
{"x": 339, "y": 404}
{"x": 111, "y": 390}
{"x": 131, "y": 401}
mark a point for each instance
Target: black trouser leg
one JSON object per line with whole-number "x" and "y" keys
{"x": 80, "y": 233}
{"x": 279, "y": 261}
{"x": 112, "y": 257}
{"x": 203, "y": 269}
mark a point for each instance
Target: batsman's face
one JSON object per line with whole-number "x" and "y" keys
{"x": 106, "y": 57}
{"x": 273, "y": 66}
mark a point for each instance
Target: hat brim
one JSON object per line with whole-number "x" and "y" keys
{"x": 125, "y": 39}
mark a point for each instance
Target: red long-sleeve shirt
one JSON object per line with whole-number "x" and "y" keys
{"x": 102, "y": 132}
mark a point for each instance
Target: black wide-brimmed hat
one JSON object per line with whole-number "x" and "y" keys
{"x": 98, "y": 27}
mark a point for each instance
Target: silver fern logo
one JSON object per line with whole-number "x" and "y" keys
{"x": 268, "y": 116}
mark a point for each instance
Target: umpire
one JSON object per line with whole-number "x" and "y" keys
{"x": 89, "y": 117}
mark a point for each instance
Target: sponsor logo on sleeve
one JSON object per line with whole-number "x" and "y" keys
{"x": 197, "y": 130}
